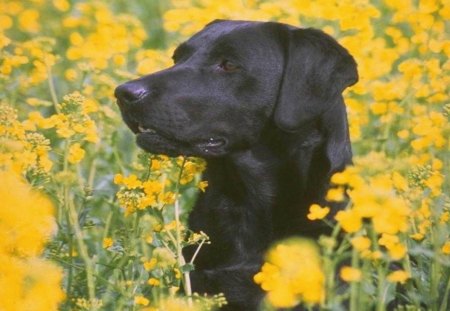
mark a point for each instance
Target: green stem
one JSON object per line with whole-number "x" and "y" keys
{"x": 72, "y": 221}
{"x": 435, "y": 273}
{"x": 70, "y": 248}
{"x": 380, "y": 289}
{"x": 66, "y": 198}
{"x": 445, "y": 299}
{"x": 180, "y": 257}
{"x": 410, "y": 286}
{"x": 52, "y": 88}
{"x": 354, "y": 286}
{"x": 93, "y": 169}
{"x": 83, "y": 250}
{"x": 381, "y": 273}
{"x": 330, "y": 267}
{"x": 197, "y": 251}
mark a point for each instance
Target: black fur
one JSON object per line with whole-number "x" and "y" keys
{"x": 262, "y": 103}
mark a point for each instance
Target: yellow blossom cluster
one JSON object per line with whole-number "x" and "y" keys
{"x": 136, "y": 194}
{"x": 34, "y": 57}
{"x": 27, "y": 281}
{"x": 393, "y": 205}
{"x": 157, "y": 190}
{"x": 22, "y": 150}
{"x": 110, "y": 38}
{"x": 429, "y": 129}
{"x": 292, "y": 273}
{"x": 72, "y": 122}
{"x": 374, "y": 199}
{"x": 152, "y": 60}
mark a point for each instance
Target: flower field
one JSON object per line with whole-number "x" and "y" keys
{"x": 90, "y": 222}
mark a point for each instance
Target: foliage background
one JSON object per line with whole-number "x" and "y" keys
{"x": 118, "y": 211}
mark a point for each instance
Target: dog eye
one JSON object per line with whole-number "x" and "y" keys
{"x": 228, "y": 66}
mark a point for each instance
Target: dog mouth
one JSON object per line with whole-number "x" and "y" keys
{"x": 143, "y": 129}
{"x": 212, "y": 144}
{"x": 157, "y": 141}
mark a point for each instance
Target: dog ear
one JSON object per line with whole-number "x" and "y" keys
{"x": 317, "y": 69}
{"x": 338, "y": 148}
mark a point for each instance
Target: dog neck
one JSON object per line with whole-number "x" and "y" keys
{"x": 272, "y": 182}
{"x": 260, "y": 195}
{"x": 249, "y": 175}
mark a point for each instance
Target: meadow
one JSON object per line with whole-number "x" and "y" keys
{"x": 90, "y": 222}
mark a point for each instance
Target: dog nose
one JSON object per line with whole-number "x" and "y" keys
{"x": 129, "y": 93}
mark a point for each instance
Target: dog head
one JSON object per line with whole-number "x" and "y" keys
{"x": 231, "y": 81}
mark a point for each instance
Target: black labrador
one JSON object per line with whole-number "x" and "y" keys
{"x": 262, "y": 103}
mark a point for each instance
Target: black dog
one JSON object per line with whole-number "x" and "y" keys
{"x": 262, "y": 103}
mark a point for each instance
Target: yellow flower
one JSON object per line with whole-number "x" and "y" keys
{"x": 155, "y": 165}
{"x": 392, "y": 217}
{"x": 173, "y": 225}
{"x": 167, "y": 197}
{"x": 62, "y": 5}
{"x": 282, "y": 297}
{"x": 71, "y": 74}
{"x": 317, "y": 212}
{"x": 388, "y": 240}
{"x": 28, "y": 20}
{"x": 27, "y": 220}
{"x": 399, "y": 276}
{"x": 437, "y": 165}
{"x": 444, "y": 217}
{"x": 177, "y": 273}
{"x": 379, "y": 108}
{"x": 118, "y": 179}
{"x": 403, "y": 134}
{"x": 152, "y": 187}
{"x": 76, "y": 153}
{"x": 146, "y": 201}
{"x": 376, "y": 255}
{"x": 5, "y": 22}
{"x": 397, "y": 251}
{"x": 150, "y": 264}
{"x": 400, "y": 183}
{"x": 64, "y": 131}
{"x": 26, "y": 224}
{"x": 350, "y": 274}
{"x": 202, "y": 185}
{"x": 417, "y": 236}
{"x": 361, "y": 243}
{"x": 350, "y": 220}
{"x": 132, "y": 182}
{"x": 149, "y": 238}
{"x": 31, "y": 282}
{"x": 335, "y": 194}
{"x": 119, "y": 59}
{"x": 141, "y": 300}
{"x": 435, "y": 182}
{"x": 446, "y": 248}
{"x": 153, "y": 282}
{"x": 286, "y": 282}
{"x": 107, "y": 242}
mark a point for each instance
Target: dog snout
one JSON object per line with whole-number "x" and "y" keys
{"x": 130, "y": 93}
